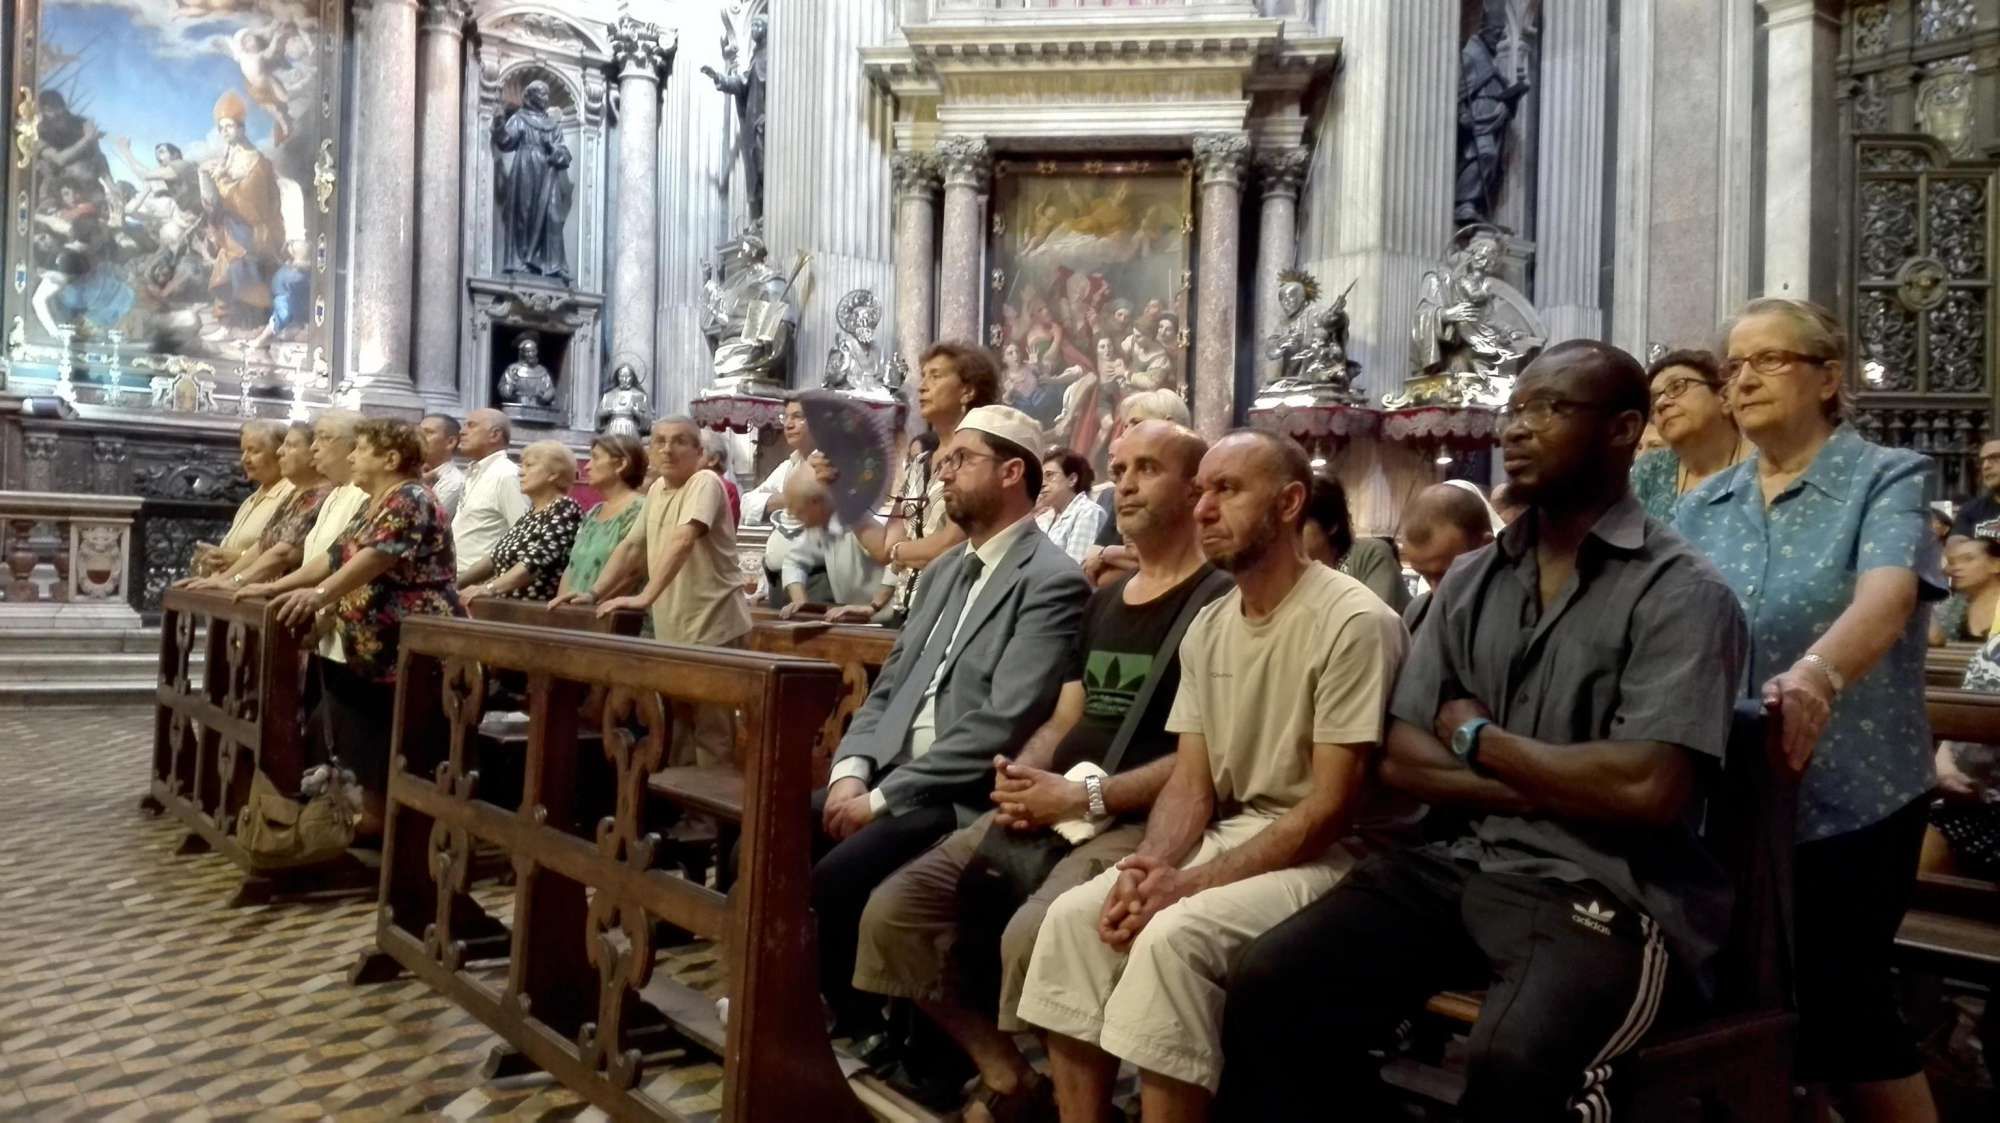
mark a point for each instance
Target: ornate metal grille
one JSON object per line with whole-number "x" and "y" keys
{"x": 1922, "y": 306}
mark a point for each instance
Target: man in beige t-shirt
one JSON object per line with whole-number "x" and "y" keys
{"x": 692, "y": 586}
{"x": 1284, "y": 690}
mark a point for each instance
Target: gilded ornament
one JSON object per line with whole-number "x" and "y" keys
{"x": 27, "y": 125}
{"x": 324, "y": 176}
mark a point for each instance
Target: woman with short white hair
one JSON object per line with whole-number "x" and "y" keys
{"x": 528, "y": 562}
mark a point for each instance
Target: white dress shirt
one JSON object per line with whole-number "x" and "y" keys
{"x": 448, "y": 484}
{"x": 490, "y": 507}
{"x": 757, "y": 508}
{"x": 923, "y": 727}
{"x": 1075, "y": 529}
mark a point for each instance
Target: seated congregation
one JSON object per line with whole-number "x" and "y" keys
{"x": 1176, "y": 774}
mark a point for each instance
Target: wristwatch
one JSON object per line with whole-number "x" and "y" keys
{"x": 1465, "y": 741}
{"x": 1093, "y": 793}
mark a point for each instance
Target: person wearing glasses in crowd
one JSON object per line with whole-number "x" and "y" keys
{"x": 1825, "y": 538}
{"x": 1983, "y": 508}
{"x": 1693, "y": 419}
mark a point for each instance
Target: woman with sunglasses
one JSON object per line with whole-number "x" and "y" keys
{"x": 1826, "y": 540}
{"x": 1691, "y": 416}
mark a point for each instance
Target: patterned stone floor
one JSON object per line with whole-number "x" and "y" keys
{"x": 129, "y": 990}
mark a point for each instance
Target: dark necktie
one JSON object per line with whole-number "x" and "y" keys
{"x": 909, "y": 694}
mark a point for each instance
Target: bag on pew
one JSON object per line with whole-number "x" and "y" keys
{"x": 280, "y": 833}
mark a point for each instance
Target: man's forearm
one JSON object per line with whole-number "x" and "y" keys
{"x": 1137, "y": 789}
{"x": 1179, "y": 815}
{"x": 670, "y": 567}
{"x": 614, "y": 575}
{"x": 1039, "y": 751}
{"x": 1419, "y": 764}
{"x": 1605, "y": 781}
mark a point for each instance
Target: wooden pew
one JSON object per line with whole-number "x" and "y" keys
{"x": 1953, "y": 925}
{"x": 1734, "y": 1064}
{"x": 578, "y": 995}
{"x": 213, "y": 733}
{"x": 1944, "y": 667}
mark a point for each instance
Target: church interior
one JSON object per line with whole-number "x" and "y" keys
{"x": 478, "y": 476}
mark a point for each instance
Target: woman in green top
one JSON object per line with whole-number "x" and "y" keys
{"x": 1329, "y": 540}
{"x": 617, "y": 468}
{"x": 1690, "y": 413}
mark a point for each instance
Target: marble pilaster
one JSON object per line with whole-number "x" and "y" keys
{"x": 1221, "y": 159}
{"x": 641, "y": 54}
{"x": 694, "y": 163}
{"x": 1801, "y": 159}
{"x": 917, "y": 181}
{"x": 1280, "y": 174}
{"x": 385, "y": 194}
{"x": 440, "y": 109}
{"x": 1378, "y": 208}
{"x": 1576, "y": 56}
{"x": 967, "y": 165}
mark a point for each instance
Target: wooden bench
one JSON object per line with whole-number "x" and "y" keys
{"x": 1945, "y": 666}
{"x": 214, "y": 732}
{"x": 1735, "y": 1064}
{"x": 577, "y": 994}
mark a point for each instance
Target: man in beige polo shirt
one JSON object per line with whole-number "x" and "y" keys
{"x": 693, "y": 587}
{"x": 1281, "y": 706}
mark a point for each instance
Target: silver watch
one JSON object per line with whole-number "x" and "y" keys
{"x": 1093, "y": 793}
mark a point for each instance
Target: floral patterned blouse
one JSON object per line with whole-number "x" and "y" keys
{"x": 1656, "y": 482}
{"x": 1794, "y": 564}
{"x": 541, "y": 541}
{"x": 411, "y": 527}
{"x": 595, "y": 540}
{"x": 294, "y": 520}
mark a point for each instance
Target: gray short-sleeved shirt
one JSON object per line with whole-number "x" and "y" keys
{"x": 1645, "y": 643}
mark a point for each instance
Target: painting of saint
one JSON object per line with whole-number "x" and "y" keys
{"x": 1094, "y": 262}
{"x": 169, "y": 192}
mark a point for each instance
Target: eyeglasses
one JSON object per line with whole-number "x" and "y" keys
{"x": 1766, "y": 362}
{"x": 951, "y": 462}
{"x": 1676, "y": 387}
{"x": 1536, "y": 413}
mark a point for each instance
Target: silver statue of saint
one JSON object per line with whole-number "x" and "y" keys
{"x": 1473, "y": 330}
{"x": 526, "y": 382}
{"x": 1311, "y": 348}
{"x": 624, "y": 410}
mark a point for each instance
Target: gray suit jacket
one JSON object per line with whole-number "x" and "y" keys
{"x": 1000, "y": 683}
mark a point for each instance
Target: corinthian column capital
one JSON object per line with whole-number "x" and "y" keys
{"x": 1222, "y": 157}
{"x": 915, "y": 173}
{"x": 641, "y": 49}
{"x": 445, "y": 17}
{"x": 1282, "y": 171}
{"x": 967, "y": 161}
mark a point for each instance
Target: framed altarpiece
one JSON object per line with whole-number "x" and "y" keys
{"x": 171, "y": 194}
{"x": 1092, "y": 279}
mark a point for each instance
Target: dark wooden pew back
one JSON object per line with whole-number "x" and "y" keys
{"x": 214, "y": 731}
{"x": 579, "y": 996}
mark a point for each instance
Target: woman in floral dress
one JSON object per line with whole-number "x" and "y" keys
{"x": 393, "y": 562}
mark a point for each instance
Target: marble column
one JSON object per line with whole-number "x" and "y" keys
{"x": 1280, "y": 172}
{"x": 1801, "y": 158}
{"x": 1378, "y": 208}
{"x": 640, "y": 55}
{"x": 440, "y": 105}
{"x": 1220, "y": 162}
{"x": 916, "y": 179}
{"x": 967, "y": 166}
{"x": 1576, "y": 56}
{"x": 384, "y": 190}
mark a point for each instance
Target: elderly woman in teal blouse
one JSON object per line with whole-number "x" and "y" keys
{"x": 1826, "y": 540}
{"x": 1692, "y": 417}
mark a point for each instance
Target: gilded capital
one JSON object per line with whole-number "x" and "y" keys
{"x": 641, "y": 49}
{"x": 915, "y": 173}
{"x": 966, "y": 161}
{"x": 1222, "y": 157}
{"x": 1282, "y": 171}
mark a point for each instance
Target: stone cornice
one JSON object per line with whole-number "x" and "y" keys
{"x": 1256, "y": 49}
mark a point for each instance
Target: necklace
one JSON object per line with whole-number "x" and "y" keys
{"x": 1683, "y": 479}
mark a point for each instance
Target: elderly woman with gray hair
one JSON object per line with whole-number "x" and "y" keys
{"x": 259, "y": 443}
{"x": 528, "y": 561}
{"x": 1826, "y": 540}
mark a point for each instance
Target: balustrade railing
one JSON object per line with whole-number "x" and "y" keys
{"x": 68, "y": 558}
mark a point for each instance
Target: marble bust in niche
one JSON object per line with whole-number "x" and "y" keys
{"x": 526, "y": 389}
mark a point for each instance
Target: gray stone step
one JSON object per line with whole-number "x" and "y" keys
{"x": 80, "y": 666}
{"x": 67, "y": 640}
{"x": 86, "y": 694}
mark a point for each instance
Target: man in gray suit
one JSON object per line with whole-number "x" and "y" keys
{"x": 976, "y": 669}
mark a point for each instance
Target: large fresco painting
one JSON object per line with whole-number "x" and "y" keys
{"x": 171, "y": 186}
{"x": 1091, "y": 283}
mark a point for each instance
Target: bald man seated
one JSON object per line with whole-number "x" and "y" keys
{"x": 1443, "y": 522}
{"x": 492, "y": 501}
